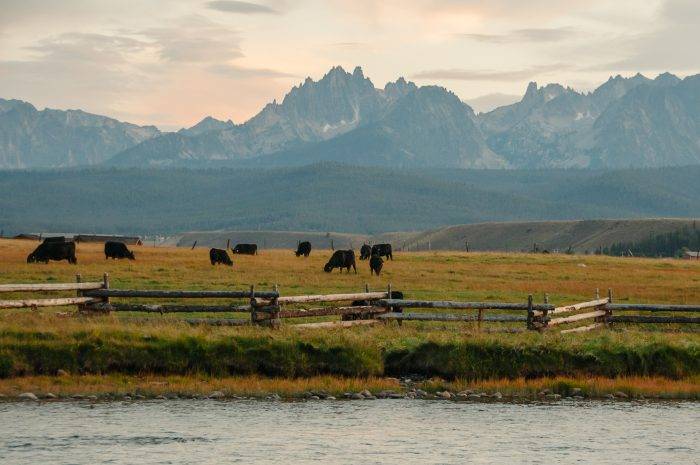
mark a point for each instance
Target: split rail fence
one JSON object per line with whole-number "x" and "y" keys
{"x": 361, "y": 308}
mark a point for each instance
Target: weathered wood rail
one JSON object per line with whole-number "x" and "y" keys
{"x": 361, "y": 308}
{"x": 79, "y": 300}
{"x": 479, "y": 317}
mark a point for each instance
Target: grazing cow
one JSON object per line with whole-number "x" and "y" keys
{"x": 219, "y": 256}
{"x": 118, "y": 250}
{"x": 375, "y": 264}
{"x": 245, "y": 249}
{"x": 53, "y": 250}
{"x": 55, "y": 239}
{"x": 365, "y": 252}
{"x": 304, "y": 248}
{"x": 341, "y": 259}
{"x": 383, "y": 250}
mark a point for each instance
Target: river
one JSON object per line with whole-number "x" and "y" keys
{"x": 349, "y": 432}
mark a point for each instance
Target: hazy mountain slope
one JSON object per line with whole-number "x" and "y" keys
{"x": 311, "y": 112}
{"x": 429, "y": 126}
{"x": 626, "y": 122}
{"x": 331, "y": 197}
{"x": 651, "y": 125}
{"x": 206, "y": 125}
{"x": 52, "y": 138}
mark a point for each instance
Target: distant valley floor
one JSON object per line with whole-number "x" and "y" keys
{"x": 582, "y": 236}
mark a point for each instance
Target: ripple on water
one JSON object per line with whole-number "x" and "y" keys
{"x": 397, "y": 431}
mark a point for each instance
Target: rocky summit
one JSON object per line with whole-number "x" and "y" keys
{"x": 343, "y": 117}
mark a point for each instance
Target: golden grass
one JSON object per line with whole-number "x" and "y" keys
{"x": 436, "y": 275}
{"x": 256, "y": 386}
{"x": 151, "y": 386}
{"x": 453, "y": 275}
{"x": 632, "y": 386}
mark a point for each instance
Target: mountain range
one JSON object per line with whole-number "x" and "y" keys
{"x": 30, "y": 138}
{"x": 343, "y": 117}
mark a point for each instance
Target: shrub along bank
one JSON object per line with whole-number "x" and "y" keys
{"x": 360, "y": 352}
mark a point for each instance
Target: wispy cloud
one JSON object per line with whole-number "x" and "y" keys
{"x": 489, "y": 75}
{"x": 195, "y": 39}
{"x": 247, "y": 8}
{"x": 525, "y": 35}
{"x": 237, "y": 72}
{"x": 669, "y": 46}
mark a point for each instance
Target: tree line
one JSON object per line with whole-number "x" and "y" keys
{"x": 671, "y": 244}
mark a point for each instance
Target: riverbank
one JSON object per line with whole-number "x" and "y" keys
{"x": 120, "y": 387}
{"x": 34, "y": 345}
{"x": 38, "y": 345}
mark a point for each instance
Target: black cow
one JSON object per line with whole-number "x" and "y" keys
{"x": 304, "y": 248}
{"x": 365, "y": 252}
{"x": 55, "y": 239}
{"x": 341, "y": 259}
{"x": 375, "y": 264}
{"x": 245, "y": 249}
{"x": 383, "y": 250}
{"x": 118, "y": 250}
{"x": 53, "y": 250}
{"x": 219, "y": 256}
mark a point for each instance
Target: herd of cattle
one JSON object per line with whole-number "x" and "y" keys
{"x": 60, "y": 248}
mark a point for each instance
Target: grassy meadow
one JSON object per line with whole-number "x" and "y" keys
{"x": 36, "y": 345}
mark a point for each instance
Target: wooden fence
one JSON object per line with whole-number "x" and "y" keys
{"x": 361, "y": 308}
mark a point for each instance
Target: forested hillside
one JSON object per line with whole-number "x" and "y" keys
{"x": 670, "y": 244}
{"x": 331, "y": 197}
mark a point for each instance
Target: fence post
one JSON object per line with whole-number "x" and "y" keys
{"x": 79, "y": 293}
{"x": 545, "y": 312}
{"x": 253, "y": 312}
{"x": 105, "y": 285}
{"x": 530, "y": 315}
{"x": 275, "y": 321}
{"x": 608, "y": 310}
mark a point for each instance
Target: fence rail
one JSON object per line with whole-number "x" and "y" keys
{"x": 449, "y": 304}
{"x": 369, "y": 307}
{"x": 49, "y": 287}
{"x": 450, "y": 317}
{"x": 168, "y": 294}
{"x": 654, "y": 307}
{"x": 156, "y": 308}
{"x": 31, "y": 303}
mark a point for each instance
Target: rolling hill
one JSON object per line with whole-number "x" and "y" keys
{"x": 583, "y": 236}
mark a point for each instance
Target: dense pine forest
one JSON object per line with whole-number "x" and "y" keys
{"x": 661, "y": 245}
{"x": 331, "y": 197}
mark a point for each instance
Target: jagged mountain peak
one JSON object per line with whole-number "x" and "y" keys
{"x": 544, "y": 93}
{"x": 399, "y": 88}
{"x": 667, "y": 79}
{"x": 208, "y": 123}
{"x": 342, "y": 116}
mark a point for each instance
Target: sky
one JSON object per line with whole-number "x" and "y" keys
{"x": 172, "y": 62}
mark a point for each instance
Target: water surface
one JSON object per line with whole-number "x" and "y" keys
{"x": 349, "y": 432}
